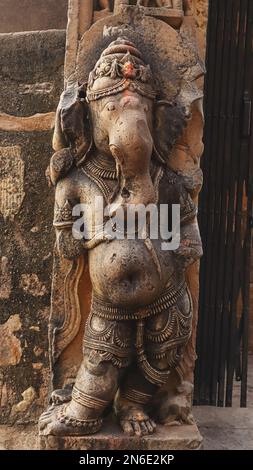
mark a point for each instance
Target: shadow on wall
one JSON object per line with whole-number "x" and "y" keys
{"x": 32, "y": 15}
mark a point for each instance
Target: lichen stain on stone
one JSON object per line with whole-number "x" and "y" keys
{"x": 37, "y": 351}
{"x": 11, "y": 181}
{"x": 4, "y": 395}
{"x": 34, "y": 328}
{"x": 10, "y": 347}
{"x": 5, "y": 278}
{"x": 29, "y": 396}
{"x": 44, "y": 314}
{"x": 37, "y": 365}
{"x": 31, "y": 284}
{"x": 41, "y": 88}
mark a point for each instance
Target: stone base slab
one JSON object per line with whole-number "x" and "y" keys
{"x": 183, "y": 437}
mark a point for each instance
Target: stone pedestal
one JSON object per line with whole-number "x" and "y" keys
{"x": 184, "y": 437}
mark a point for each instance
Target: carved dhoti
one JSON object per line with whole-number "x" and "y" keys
{"x": 153, "y": 335}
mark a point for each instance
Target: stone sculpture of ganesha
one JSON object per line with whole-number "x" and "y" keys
{"x": 141, "y": 312}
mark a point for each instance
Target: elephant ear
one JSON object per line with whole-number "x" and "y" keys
{"x": 169, "y": 123}
{"x": 72, "y": 135}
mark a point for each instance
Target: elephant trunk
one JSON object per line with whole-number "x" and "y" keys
{"x": 131, "y": 145}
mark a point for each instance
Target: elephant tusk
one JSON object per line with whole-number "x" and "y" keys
{"x": 117, "y": 154}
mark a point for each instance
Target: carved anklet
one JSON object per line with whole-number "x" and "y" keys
{"x": 88, "y": 425}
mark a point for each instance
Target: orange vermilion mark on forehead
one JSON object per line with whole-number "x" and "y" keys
{"x": 129, "y": 70}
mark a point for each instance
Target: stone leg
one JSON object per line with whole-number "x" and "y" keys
{"x": 106, "y": 353}
{"x": 131, "y": 402}
{"x": 160, "y": 342}
{"x": 95, "y": 387}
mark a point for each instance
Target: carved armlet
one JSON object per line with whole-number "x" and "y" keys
{"x": 188, "y": 210}
{"x": 68, "y": 246}
{"x": 63, "y": 216}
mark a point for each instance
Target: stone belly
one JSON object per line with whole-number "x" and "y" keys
{"x": 127, "y": 273}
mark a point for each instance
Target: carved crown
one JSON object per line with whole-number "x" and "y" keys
{"x": 123, "y": 66}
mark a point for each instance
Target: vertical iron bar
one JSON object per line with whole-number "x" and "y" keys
{"x": 225, "y": 267}
{"x": 220, "y": 220}
{"x": 226, "y": 234}
{"x": 212, "y": 39}
{"x": 248, "y": 234}
{"x": 239, "y": 152}
{"x": 207, "y": 349}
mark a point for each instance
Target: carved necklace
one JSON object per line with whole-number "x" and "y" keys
{"x": 101, "y": 167}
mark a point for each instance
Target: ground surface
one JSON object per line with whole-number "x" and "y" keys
{"x": 228, "y": 428}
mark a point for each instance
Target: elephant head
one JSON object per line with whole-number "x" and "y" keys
{"x": 121, "y": 100}
{"x": 117, "y": 114}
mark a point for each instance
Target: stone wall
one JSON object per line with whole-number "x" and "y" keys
{"x": 32, "y": 15}
{"x": 31, "y": 76}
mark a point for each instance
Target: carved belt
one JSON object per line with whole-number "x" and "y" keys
{"x": 167, "y": 300}
{"x": 117, "y": 346}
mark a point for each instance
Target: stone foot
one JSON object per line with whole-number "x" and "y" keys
{"x": 134, "y": 420}
{"x": 56, "y": 422}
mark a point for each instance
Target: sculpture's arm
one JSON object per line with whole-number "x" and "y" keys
{"x": 65, "y": 199}
{"x": 190, "y": 249}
